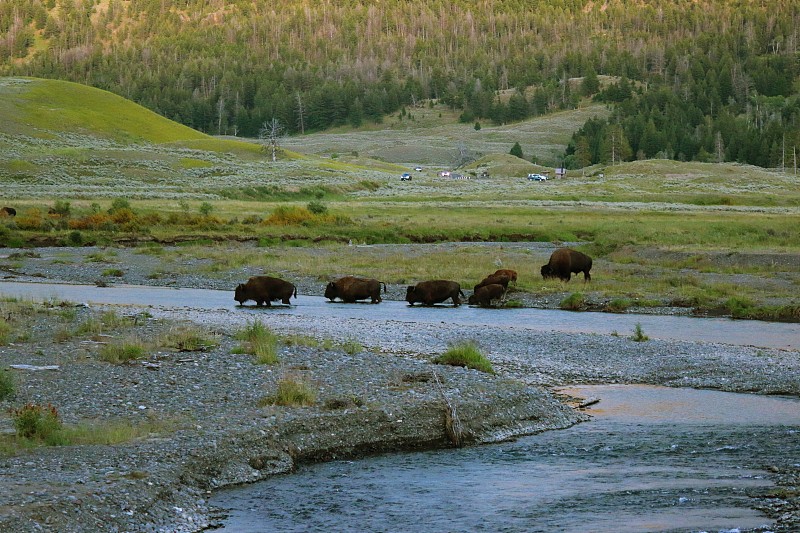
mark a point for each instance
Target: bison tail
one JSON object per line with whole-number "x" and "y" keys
{"x": 384, "y": 286}
{"x": 461, "y": 293}
{"x": 295, "y": 292}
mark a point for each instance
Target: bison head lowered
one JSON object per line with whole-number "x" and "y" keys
{"x": 240, "y": 295}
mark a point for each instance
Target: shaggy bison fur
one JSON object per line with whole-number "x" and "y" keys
{"x": 434, "y": 292}
{"x": 8, "y": 212}
{"x": 510, "y": 274}
{"x": 483, "y": 296}
{"x": 350, "y": 288}
{"x": 492, "y": 279}
{"x": 564, "y": 262}
{"x": 263, "y": 289}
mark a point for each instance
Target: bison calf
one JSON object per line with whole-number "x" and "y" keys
{"x": 510, "y": 274}
{"x": 434, "y": 292}
{"x": 350, "y": 289}
{"x": 492, "y": 279}
{"x": 263, "y": 289}
{"x": 483, "y": 296}
{"x": 564, "y": 262}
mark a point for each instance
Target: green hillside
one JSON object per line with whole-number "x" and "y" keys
{"x": 37, "y": 107}
{"x": 62, "y": 139}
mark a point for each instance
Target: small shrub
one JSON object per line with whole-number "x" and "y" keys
{"x": 61, "y": 208}
{"x": 206, "y": 209}
{"x": 123, "y": 351}
{"x": 119, "y": 204}
{"x": 113, "y": 272}
{"x": 37, "y": 422}
{"x": 7, "y": 387}
{"x": 466, "y": 354}
{"x": 638, "y": 334}
{"x": 317, "y": 208}
{"x": 75, "y": 238}
{"x": 574, "y": 302}
{"x": 291, "y": 392}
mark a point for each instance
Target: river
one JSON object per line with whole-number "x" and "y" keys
{"x": 720, "y": 330}
{"x": 652, "y": 459}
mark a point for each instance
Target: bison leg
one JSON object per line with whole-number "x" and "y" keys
{"x": 586, "y": 276}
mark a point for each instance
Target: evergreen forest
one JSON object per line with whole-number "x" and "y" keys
{"x": 705, "y": 80}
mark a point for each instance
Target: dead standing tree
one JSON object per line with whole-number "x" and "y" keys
{"x": 463, "y": 155}
{"x": 271, "y": 134}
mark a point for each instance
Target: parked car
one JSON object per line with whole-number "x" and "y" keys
{"x": 405, "y": 177}
{"x": 537, "y": 177}
{"x": 418, "y": 169}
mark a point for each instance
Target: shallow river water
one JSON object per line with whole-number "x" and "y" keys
{"x": 652, "y": 459}
{"x": 722, "y": 330}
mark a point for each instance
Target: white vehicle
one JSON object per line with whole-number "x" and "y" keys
{"x": 537, "y": 177}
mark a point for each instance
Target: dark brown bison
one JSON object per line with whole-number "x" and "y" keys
{"x": 263, "y": 289}
{"x": 493, "y": 279}
{"x": 434, "y": 292}
{"x": 483, "y": 296}
{"x": 564, "y": 262}
{"x": 510, "y": 274}
{"x": 8, "y": 212}
{"x": 349, "y": 289}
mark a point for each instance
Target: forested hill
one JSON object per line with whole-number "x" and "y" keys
{"x": 713, "y": 79}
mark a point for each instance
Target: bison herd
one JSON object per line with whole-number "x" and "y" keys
{"x": 563, "y": 263}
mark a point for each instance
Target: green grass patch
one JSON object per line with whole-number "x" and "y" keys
{"x": 260, "y": 342}
{"x": 123, "y": 351}
{"x": 574, "y": 302}
{"x": 7, "y": 385}
{"x": 188, "y": 339}
{"x": 292, "y": 391}
{"x": 466, "y": 354}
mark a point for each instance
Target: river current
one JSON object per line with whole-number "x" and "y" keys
{"x": 652, "y": 459}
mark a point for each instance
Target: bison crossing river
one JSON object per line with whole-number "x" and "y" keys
{"x": 350, "y": 289}
{"x": 317, "y": 309}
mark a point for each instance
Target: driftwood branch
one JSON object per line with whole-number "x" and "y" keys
{"x": 452, "y": 425}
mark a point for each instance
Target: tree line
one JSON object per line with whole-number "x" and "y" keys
{"x": 695, "y": 79}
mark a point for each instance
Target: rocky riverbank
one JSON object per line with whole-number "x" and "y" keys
{"x": 216, "y": 426}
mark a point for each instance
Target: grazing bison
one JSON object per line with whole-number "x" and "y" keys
{"x": 483, "y": 296}
{"x": 349, "y": 289}
{"x": 564, "y": 262}
{"x": 510, "y": 274}
{"x": 265, "y": 289}
{"x": 434, "y": 292}
{"x": 8, "y": 212}
{"x": 492, "y": 279}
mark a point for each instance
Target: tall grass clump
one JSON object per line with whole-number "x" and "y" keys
{"x": 292, "y": 391}
{"x": 259, "y": 341}
{"x": 123, "y": 351}
{"x": 574, "y": 302}
{"x": 188, "y": 339}
{"x": 5, "y": 332}
{"x": 7, "y": 386}
{"x": 466, "y": 354}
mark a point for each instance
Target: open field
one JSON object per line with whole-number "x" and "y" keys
{"x": 662, "y": 233}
